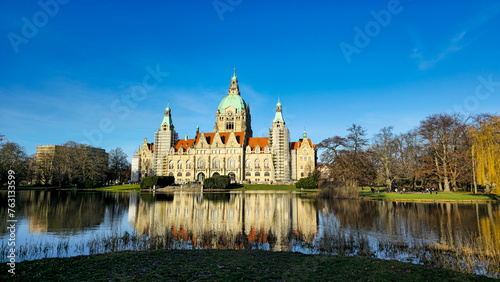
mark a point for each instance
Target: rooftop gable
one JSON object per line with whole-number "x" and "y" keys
{"x": 262, "y": 142}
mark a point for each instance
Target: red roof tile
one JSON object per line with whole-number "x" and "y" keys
{"x": 258, "y": 141}
{"x": 184, "y": 144}
{"x": 296, "y": 145}
{"x": 224, "y": 136}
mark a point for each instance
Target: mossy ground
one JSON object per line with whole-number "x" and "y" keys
{"x": 225, "y": 265}
{"x": 440, "y": 197}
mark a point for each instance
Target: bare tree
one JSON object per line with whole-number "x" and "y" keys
{"x": 118, "y": 164}
{"x": 12, "y": 157}
{"x": 442, "y": 134}
{"x": 384, "y": 148}
{"x": 347, "y": 159}
{"x": 409, "y": 156}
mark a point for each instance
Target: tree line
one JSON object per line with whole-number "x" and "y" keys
{"x": 448, "y": 152}
{"x": 67, "y": 165}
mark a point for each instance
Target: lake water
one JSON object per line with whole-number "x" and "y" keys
{"x": 69, "y": 223}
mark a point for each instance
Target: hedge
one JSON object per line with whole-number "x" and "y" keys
{"x": 151, "y": 181}
{"x": 216, "y": 182}
{"x": 81, "y": 184}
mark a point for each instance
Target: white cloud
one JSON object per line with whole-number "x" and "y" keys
{"x": 454, "y": 44}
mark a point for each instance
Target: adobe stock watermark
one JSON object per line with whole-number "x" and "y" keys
{"x": 363, "y": 37}
{"x": 482, "y": 92}
{"x": 222, "y": 6}
{"x": 30, "y": 28}
{"x": 125, "y": 104}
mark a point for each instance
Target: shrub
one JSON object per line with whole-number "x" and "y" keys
{"x": 216, "y": 182}
{"x": 151, "y": 181}
{"x": 306, "y": 183}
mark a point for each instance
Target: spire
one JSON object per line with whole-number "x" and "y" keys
{"x": 186, "y": 137}
{"x": 234, "y": 89}
{"x": 304, "y": 134}
{"x": 278, "y": 117}
{"x": 234, "y": 75}
{"x": 167, "y": 117}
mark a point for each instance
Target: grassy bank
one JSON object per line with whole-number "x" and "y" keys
{"x": 126, "y": 187}
{"x": 257, "y": 187}
{"x": 226, "y": 265}
{"x": 426, "y": 197}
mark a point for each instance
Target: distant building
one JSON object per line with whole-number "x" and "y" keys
{"x": 46, "y": 154}
{"x": 229, "y": 150}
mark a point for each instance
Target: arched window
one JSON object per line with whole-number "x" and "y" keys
{"x": 301, "y": 166}
{"x": 201, "y": 163}
{"x": 266, "y": 163}
{"x": 179, "y": 174}
{"x": 266, "y": 173}
{"x": 188, "y": 164}
{"x": 302, "y": 174}
{"x": 257, "y": 164}
{"x": 231, "y": 163}
{"x": 179, "y": 165}
{"x": 308, "y": 158}
{"x": 216, "y": 163}
{"x": 248, "y": 173}
{"x": 248, "y": 164}
{"x": 257, "y": 173}
{"x": 188, "y": 173}
{"x": 301, "y": 158}
{"x": 171, "y": 165}
{"x": 305, "y": 151}
{"x": 171, "y": 174}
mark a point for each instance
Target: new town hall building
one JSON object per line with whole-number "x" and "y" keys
{"x": 229, "y": 150}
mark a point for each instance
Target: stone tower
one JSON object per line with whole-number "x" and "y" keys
{"x": 279, "y": 141}
{"x": 164, "y": 140}
{"x": 233, "y": 114}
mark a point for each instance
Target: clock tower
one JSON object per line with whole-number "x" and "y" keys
{"x": 233, "y": 114}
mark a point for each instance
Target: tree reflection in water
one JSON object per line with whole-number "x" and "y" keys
{"x": 458, "y": 236}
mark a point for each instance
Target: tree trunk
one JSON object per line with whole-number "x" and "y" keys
{"x": 474, "y": 172}
{"x": 388, "y": 183}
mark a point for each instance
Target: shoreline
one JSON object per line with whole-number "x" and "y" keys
{"x": 415, "y": 197}
{"x": 186, "y": 265}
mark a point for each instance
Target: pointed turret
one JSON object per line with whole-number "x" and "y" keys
{"x": 234, "y": 89}
{"x": 278, "y": 117}
{"x": 167, "y": 118}
{"x": 279, "y": 139}
{"x": 234, "y": 75}
{"x": 164, "y": 140}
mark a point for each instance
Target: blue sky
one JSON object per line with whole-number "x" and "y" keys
{"x": 74, "y": 69}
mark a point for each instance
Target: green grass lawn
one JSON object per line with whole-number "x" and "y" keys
{"x": 247, "y": 187}
{"x": 460, "y": 196}
{"x": 125, "y": 187}
{"x": 225, "y": 265}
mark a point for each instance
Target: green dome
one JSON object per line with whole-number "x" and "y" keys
{"x": 232, "y": 100}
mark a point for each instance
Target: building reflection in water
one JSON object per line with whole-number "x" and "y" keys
{"x": 235, "y": 219}
{"x": 278, "y": 221}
